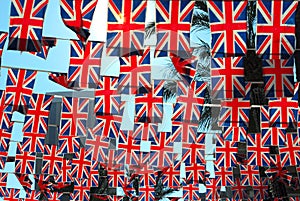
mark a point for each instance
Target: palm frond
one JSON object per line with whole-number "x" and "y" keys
{"x": 201, "y": 20}
{"x": 201, "y": 5}
{"x": 170, "y": 89}
{"x": 150, "y": 29}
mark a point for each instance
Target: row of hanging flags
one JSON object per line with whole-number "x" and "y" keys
{"x": 74, "y": 147}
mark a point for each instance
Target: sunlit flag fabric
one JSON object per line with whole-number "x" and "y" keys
{"x": 278, "y": 77}
{"x": 227, "y": 78}
{"x": 36, "y": 119}
{"x": 224, "y": 175}
{"x": 225, "y": 152}
{"x": 148, "y": 108}
{"x": 275, "y": 38}
{"x": 125, "y": 27}
{"x": 135, "y": 74}
{"x": 3, "y": 37}
{"x": 190, "y": 102}
{"x": 234, "y": 112}
{"x": 5, "y": 117}
{"x": 77, "y": 15}
{"x": 283, "y": 112}
{"x": 107, "y": 98}
{"x": 19, "y": 88}
{"x": 26, "y": 24}
{"x": 74, "y": 116}
{"x": 173, "y": 23}
{"x": 228, "y": 25}
{"x": 256, "y": 152}
{"x": 85, "y": 61}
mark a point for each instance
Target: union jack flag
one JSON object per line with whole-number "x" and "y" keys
{"x": 191, "y": 192}
{"x": 26, "y": 24}
{"x": 225, "y": 152}
{"x": 77, "y": 16}
{"x": 212, "y": 189}
{"x": 52, "y": 162}
{"x": 278, "y": 78}
{"x": 68, "y": 144}
{"x": 107, "y": 99}
{"x": 236, "y": 134}
{"x": 74, "y": 116}
{"x": 185, "y": 67}
{"x": 264, "y": 117}
{"x": 12, "y": 194}
{"x": 273, "y": 137}
{"x": 184, "y": 132}
{"x": 290, "y": 153}
{"x": 81, "y": 164}
{"x": 194, "y": 152}
{"x": 261, "y": 189}
{"x": 283, "y": 112}
{"x": 125, "y": 27}
{"x": 171, "y": 176}
{"x": 3, "y": 36}
{"x": 65, "y": 175}
{"x": 108, "y": 126}
{"x": 19, "y": 87}
{"x": 275, "y": 38}
{"x": 116, "y": 177}
{"x": 25, "y": 162}
{"x": 5, "y": 117}
{"x": 228, "y": 25}
{"x": 148, "y": 108}
{"x": 195, "y": 173}
{"x": 98, "y": 146}
{"x": 127, "y": 145}
{"x": 36, "y": 119}
{"x": 234, "y": 112}
{"x": 173, "y": 23}
{"x": 85, "y": 61}
{"x": 190, "y": 102}
{"x": 257, "y": 153}
{"x": 33, "y": 142}
{"x": 224, "y": 176}
{"x": 3, "y": 182}
{"x": 238, "y": 190}
{"x": 250, "y": 175}
{"x": 81, "y": 190}
{"x": 161, "y": 152}
{"x": 146, "y": 193}
{"x": 47, "y": 43}
{"x": 135, "y": 74}
{"x": 5, "y": 137}
{"x": 145, "y": 131}
{"x": 227, "y": 78}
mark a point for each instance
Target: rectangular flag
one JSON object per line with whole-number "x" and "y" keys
{"x": 135, "y": 74}
{"x": 278, "y": 76}
{"x": 227, "y": 78}
{"x": 228, "y": 25}
{"x": 26, "y": 25}
{"x": 19, "y": 88}
{"x": 125, "y": 27}
{"x": 85, "y": 61}
{"x": 3, "y": 37}
{"x": 275, "y": 32}
{"x": 173, "y": 23}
